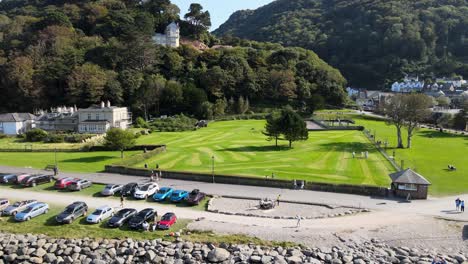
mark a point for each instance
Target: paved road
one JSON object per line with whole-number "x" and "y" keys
{"x": 440, "y": 207}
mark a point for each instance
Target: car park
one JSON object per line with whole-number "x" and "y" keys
{"x": 20, "y": 177}
{"x": 121, "y": 217}
{"x": 162, "y": 194}
{"x": 4, "y": 203}
{"x": 167, "y": 220}
{"x": 36, "y": 179}
{"x": 100, "y": 214}
{"x": 13, "y": 209}
{"x": 129, "y": 189}
{"x": 145, "y": 190}
{"x": 145, "y": 215}
{"x": 72, "y": 212}
{"x": 179, "y": 195}
{"x": 79, "y": 185}
{"x": 32, "y": 211}
{"x": 7, "y": 178}
{"x": 64, "y": 182}
{"x": 111, "y": 189}
{"x": 195, "y": 197}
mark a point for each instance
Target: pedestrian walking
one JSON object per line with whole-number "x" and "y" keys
{"x": 457, "y": 204}
{"x": 298, "y": 217}
{"x": 121, "y": 201}
{"x": 278, "y": 199}
{"x": 295, "y": 184}
{"x": 462, "y": 205}
{"x": 146, "y": 165}
{"x": 354, "y": 154}
{"x": 55, "y": 171}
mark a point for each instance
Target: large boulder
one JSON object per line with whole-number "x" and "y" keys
{"x": 218, "y": 255}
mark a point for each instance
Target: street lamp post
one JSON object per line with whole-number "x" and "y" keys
{"x": 55, "y": 154}
{"x": 212, "y": 168}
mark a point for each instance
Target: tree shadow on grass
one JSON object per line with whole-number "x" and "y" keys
{"x": 89, "y": 159}
{"x": 258, "y": 148}
{"x": 437, "y": 134}
{"x": 348, "y": 146}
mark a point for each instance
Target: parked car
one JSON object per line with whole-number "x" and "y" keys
{"x": 144, "y": 215}
{"x": 178, "y": 195}
{"x": 72, "y": 212}
{"x": 167, "y": 220}
{"x": 13, "y": 209}
{"x": 195, "y": 197}
{"x": 32, "y": 211}
{"x": 145, "y": 190}
{"x": 7, "y": 178}
{"x": 100, "y": 214}
{"x": 20, "y": 177}
{"x": 63, "y": 183}
{"x": 34, "y": 180}
{"x": 129, "y": 189}
{"x": 163, "y": 194}
{"x": 121, "y": 217}
{"x": 79, "y": 185}
{"x": 111, "y": 189}
{"x": 4, "y": 203}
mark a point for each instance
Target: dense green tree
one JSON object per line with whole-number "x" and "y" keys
{"x": 416, "y": 111}
{"x": 119, "y": 139}
{"x": 272, "y": 127}
{"x": 292, "y": 125}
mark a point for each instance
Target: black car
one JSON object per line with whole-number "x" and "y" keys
{"x": 121, "y": 217}
{"x": 7, "y": 177}
{"x": 72, "y": 212}
{"x": 195, "y": 197}
{"x": 129, "y": 189}
{"x": 34, "y": 180}
{"x": 142, "y": 216}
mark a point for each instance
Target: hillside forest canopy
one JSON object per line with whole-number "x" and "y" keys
{"x": 57, "y": 52}
{"x": 372, "y": 42}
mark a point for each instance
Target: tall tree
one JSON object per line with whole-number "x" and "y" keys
{"x": 417, "y": 110}
{"x": 394, "y": 108}
{"x": 119, "y": 139}
{"x": 272, "y": 127}
{"x": 199, "y": 20}
{"x": 293, "y": 127}
{"x": 86, "y": 84}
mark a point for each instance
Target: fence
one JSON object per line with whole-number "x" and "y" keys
{"x": 252, "y": 181}
{"x": 390, "y": 159}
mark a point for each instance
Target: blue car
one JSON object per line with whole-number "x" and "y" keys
{"x": 7, "y": 178}
{"x": 32, "y": 211}
{"x": 163, "y": 194}
{"x": 179, "y": 195}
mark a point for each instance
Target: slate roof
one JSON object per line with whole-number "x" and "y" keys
{"x": 16, "y": 117}
{"x": 409, "y": 176}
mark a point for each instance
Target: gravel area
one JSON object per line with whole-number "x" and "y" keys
{"x": 284, "y": 210}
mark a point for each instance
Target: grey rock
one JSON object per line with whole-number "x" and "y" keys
{"x": 150, "y": 255}
{"x": 11, "y": 257}
{"x": 112, "y": 252}
{"x": 49, "y": 258}
{"x": 36, "y": 260}
{"x": 218, "y": 255}
{"x": 255, "y": 259}
{"x": 460, "y": 258}
{"x": 294, "y": 260}
{"x": 40, "y": 252}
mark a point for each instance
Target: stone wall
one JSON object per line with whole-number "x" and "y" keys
{"x": 253, "y": 181}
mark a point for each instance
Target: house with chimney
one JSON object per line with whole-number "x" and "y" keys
{"x": 100, "y": 118}
{"x": 61, "y": 118}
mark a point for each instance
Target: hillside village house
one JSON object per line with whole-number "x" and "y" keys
{"x": 170, "y": 38}
{"x": 58, "y": 119}
{"x": 16, "y": 123}
{"x": 99, "y": 119}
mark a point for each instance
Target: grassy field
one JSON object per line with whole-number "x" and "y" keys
{"x": 15, "y": 143}
{"x": 239, "y": 147}
{"x": 67, "y": 161}
{"x": 430, "y": 154}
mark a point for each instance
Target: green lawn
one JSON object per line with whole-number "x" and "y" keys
{"x": 15, "y": 143}
{"x": 67, "y": 161}
{"x": 239, "y": 147}
{"x": 430, "y": 154}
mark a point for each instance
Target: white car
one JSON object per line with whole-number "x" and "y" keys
{"x": 146, "y": 190}
{"x": 100, "y": 214}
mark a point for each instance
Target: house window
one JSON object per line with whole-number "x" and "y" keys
{"x": 408, "y": 187}
{"x": 97, "y": 116}
{"x": 89, "y": 116}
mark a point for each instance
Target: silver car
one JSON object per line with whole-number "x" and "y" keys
{"x": 79, "y": 185}
{"x": 111, "y": 189}
{"x": 4, "y": 203}
{"x": 18, "y": 207}
{"x": 32, "y": 211}
{"x": 100, "y": 214}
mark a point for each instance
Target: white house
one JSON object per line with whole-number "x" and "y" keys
{"x": 457, "y": 82}
{"x": 170, "y": 38}
{"x": 98, "y": 119}
{"x": 409, "y": 84}
{"x": 16, "y": 123}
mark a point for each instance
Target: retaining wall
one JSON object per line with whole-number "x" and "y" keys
{"x": 253, "y": 181}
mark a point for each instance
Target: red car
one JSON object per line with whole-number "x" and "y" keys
{"x": 63, "y": 183}
{"x": 167, "y": 220}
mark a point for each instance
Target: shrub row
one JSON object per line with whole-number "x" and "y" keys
{"x": 39, "y": 135}
{"x": 257, "y": 116}
{"x": 174, "y": 123}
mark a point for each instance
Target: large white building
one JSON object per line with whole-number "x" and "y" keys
{"x": 408, "y": 85}
{"x": 170, "y": 38}
{"x": 16, "y": 123}
{"x": 99, "y": 119}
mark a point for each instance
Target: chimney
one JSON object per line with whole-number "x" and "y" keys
{"x": 75, "y": 108}
{"x": 102, "y": 104}
{"x": 108, "y": 103}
